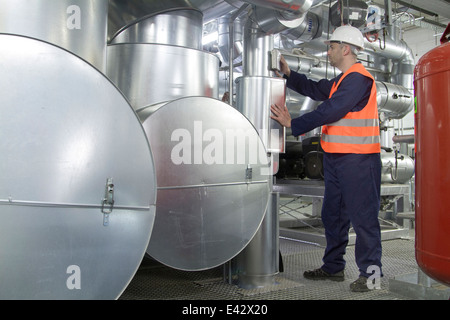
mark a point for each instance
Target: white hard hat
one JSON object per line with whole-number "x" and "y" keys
{"x": 349, "y": 35}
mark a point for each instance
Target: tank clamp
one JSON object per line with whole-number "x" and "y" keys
{"x": 108, "y": 201}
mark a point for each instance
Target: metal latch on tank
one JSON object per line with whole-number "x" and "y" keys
{"x": 108, "y": 201}
{"x": 248, "y": 174}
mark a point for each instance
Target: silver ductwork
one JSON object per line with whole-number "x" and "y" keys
{"x": 78, "y": 26}
{"x": 77, "y": 195}
{"x": 129, "y": 163}
{"x": 181, "y": 27}
{"x": 173, "y": 38}
{"x": 287, "y": 6}
{"x": 181, "y": 72}
{"x": 206, "y": 212}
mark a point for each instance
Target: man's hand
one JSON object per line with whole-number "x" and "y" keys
{"x": 281, "y": 114}
{"x": 284, "y": 68}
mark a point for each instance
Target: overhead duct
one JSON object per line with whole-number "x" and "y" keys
{"x": 297, "y": 6}
{"x": 309, "y": 29}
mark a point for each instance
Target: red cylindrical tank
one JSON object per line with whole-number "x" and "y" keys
{"x": 432, "y": 126}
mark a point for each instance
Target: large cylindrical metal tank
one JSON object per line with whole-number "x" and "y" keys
{"x": 179, "y": 27}
{"x": 78, "y": 188}
{"x": 432, "y": 125}
{"x": 76, "y": 25}
{"x": 157, "y": 59}
{"x": 150, "y": 74}
{"x": 213, "y": 182}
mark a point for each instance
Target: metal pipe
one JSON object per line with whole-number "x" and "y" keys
{"x": 231, "y": 47}
{"x": 257, "y": 48}
{"x": 408, "y": 138}
{"x": 300, "y": 6}
{"x": 258, "y": 264}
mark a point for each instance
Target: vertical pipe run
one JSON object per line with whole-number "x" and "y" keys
{"x": 257, "y": 48}
{"x": 258, "y": 264}
{"x": 231, "y": 48}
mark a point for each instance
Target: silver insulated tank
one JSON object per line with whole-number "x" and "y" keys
{"x": 211, "y": 201}
{"x": 158, "y": 59}
{"x": 79, "y": 26}
{"x": 78, "y": 188}
{"x": 213, "y": 182}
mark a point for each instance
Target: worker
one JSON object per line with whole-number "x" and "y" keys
{"x": 352, "y": 165}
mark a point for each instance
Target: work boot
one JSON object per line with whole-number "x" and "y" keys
{"x": 359, "y": 285}
{"x": 319, "y": 274}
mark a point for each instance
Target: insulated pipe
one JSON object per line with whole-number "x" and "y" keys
{"x": 258, "y": 263}
{"x": 402, "y": 56}
{"x": 408, "y": 138}
{"x": 257, "y": 48}
{"x": 272, "y": 22}
{"x": 231, "y": 48}
{"x": 224, "y": 38}
{"x": 299, "y": 6}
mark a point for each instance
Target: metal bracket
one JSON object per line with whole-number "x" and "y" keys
{"x": 108, "y": 201}
{"x": 248, "y": 173}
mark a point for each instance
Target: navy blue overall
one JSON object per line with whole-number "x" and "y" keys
{"x": 352, "y": 196}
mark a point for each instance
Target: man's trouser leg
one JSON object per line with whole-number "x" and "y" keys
{"x": 361, "y": 178}
{"x": 335, "y": 220}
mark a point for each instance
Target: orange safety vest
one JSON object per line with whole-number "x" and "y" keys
{"x": 356, "y": 132}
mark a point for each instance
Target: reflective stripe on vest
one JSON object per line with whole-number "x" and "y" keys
{"x": 356, "y": 132}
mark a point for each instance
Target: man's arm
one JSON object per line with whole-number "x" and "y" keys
{"x": 352, "y": 95}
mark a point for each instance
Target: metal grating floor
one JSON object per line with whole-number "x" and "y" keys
{"x": 154, "y": 281}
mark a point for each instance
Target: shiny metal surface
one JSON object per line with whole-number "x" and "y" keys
{"x": 66, "y": 130}
{"x": 257, "y": 48}
{"x": 210, "y": 200}
{"x": 258, "y": 264}
{"x": 396, "y": 168}
{"x": 310, "y": 28}
{"x": 223, "y": 40}
{"x": 149, "y": 74}
{"x": 272, "y": 22}
{"x": 76, "y": 25}
{"x": 394, "y": 101}
{"x": 123, "y": 13}
{"x": 176, "y": 27}
{"x": 288, "y": 5}
{"x": 255, "y": 95}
